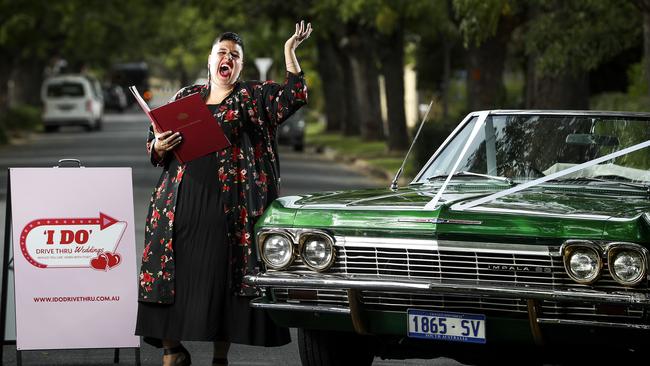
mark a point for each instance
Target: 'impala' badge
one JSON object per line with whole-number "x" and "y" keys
{"x": 516, "y": 268}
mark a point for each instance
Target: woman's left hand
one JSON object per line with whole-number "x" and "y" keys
{"x": 302, "y": 33}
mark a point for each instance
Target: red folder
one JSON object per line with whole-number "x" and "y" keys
{"x": 191, "y": 117}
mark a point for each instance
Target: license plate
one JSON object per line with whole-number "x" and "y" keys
{"x": 458, "y": 327}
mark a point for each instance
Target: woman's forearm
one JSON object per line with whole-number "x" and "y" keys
{"x": 291, "y": 60}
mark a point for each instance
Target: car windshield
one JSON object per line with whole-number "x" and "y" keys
{"x": 525, "y": 147}
{"x": 65, "y": 89}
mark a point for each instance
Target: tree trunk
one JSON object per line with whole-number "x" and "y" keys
{"x": 331, "y": 74}
{"x": 485, "y": 89}
{"x": 646, "y": 47}
{"x": 183, "y": 76}
{"x": 351, "y": 124}
{"x": 393, "y": 70}
{"x": 366, "y": 84}
{"x": 27, "y": 76}
{"x": 566, "y": 91}
{"x": 446, "y": 76}
{"x": 372, "y": 127}
{"x": 5, "y": 71}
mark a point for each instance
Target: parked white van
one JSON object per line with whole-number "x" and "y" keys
{"x": 72, "y": 100}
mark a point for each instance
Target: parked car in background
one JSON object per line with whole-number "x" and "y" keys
{"x": 292, "y": 131}
{"x": 114, "y": 98}
{"x": 72, "y": 100}
{"x": 132, "y": 74}
{"x": 525, "y": 238}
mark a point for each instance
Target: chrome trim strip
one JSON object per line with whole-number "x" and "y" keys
{"x": 592, "y": 323}
{"x": 459, "y": 246}
{"x": 260, "y": 304}
{"x": 496, "y": 248}
{"x": 438, "y": 221}
{"x": 531, "y": 213}
{"x": 571, "y": 113}
{"x": 370, "y": 242}
{"x": 461, "y": 288}
{"x": 331, "y": 206}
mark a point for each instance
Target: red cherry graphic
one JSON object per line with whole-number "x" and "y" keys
{"x": 100, "y": 263}
{"x": 113, "y": 259}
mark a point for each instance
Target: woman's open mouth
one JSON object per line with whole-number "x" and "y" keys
{"x": 225, "y": 70}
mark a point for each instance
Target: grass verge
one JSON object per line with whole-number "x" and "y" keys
{"x": 352, "y": 148}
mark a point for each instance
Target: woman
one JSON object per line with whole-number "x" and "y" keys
{"x": 199, "y": 230}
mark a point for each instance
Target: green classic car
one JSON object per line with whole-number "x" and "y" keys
{"x": 526, "y": 231}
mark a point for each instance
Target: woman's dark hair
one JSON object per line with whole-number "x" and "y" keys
{"x": 230, "y": 36}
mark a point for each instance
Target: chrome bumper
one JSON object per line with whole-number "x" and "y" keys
{"x": 459, "y": 288}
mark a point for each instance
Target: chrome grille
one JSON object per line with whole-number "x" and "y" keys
{"x": 435, "y": 264}
{"x": 400, "y": 302}
{"x": 557, "y": 310}
{"x": 396, "y": 261}
{"x": 432, "y": 264}
{"x": 325, "y": 297}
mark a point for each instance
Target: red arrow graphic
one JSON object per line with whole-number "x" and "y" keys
{"x": 103, "y": 221}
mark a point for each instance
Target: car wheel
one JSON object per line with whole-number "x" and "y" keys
{"x": 327, "y": 348}
{"x": 98, "y": 124}
{"x": 51, "y": 128}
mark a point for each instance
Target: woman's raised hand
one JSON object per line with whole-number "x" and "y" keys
{"x": 302, "y": 32}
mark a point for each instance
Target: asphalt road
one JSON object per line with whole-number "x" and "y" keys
{"x": 121, "y": 144}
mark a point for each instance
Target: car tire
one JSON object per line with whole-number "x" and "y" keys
{"x": 98, "y": 124}
{"x": 50, "y": 128}
{"x": 328, "y": 348}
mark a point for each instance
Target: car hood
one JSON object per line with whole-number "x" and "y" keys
{"x": 543, "y": 211}
{"x": 541, "y": 200}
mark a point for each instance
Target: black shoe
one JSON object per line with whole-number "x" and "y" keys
{"x": 183, "y": 359}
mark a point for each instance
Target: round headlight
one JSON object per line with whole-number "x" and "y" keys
{"x": 277, "y": 251}
{"x": 318, "y": 252}
{"x": 627, "y": 266}
{"x": 583, "y": 264}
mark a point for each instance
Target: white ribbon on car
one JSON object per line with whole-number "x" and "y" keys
{"x": 463, "y": 206}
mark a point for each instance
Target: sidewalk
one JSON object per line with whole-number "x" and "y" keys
{"x": 201, "y": 355}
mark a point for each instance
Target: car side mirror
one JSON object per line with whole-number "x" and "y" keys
{"x": 591, "y": 139}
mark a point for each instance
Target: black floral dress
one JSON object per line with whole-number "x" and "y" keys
{"x": 199, "y": 229}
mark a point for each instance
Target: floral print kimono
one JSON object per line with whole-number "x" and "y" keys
{"x": 248, "y": 173}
